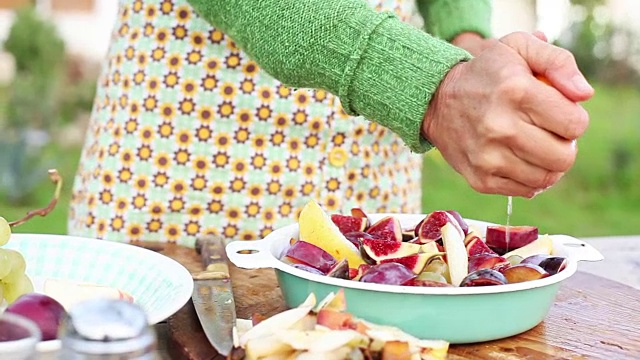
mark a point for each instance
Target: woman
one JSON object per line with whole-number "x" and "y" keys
{"x": 226, "y": 117}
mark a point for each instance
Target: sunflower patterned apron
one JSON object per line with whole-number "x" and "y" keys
{"x": 188, "y": 137}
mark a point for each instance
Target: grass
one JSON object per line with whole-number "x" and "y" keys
{"x": 599, "y": 196}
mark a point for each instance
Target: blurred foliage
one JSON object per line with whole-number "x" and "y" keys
{"x": 603, "y": 50}
{"x": 33, "y": 102}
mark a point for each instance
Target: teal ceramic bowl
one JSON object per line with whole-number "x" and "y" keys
{"x": 455, "y": 314}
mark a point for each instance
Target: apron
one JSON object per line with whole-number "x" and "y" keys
{"x": 189, "y": 137}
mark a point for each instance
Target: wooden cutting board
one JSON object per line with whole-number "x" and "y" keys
{"x": 592, "y": 318}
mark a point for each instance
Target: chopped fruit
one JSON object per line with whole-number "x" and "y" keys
{"x": 334, "y": 319}
{"x": 387, "y": 228}
{"x": 430, "y": 228}
{"x": 426, "y": 283}
{"x": 409, "y": 235}
{"x": 43, "y": 310}
{"x": 519, "y": 236}
{"x": 379, "y": 250}
{"x": 431, "y": 247}
{"x": 487, "y": 261}
{"x": 361, "y": 270}
{"x": 438, "y": 266}
{"x": 551, "y": 264}
{"x": 336, "y": 302}
{"x": 307, "y": 268}
{"x": 524, "y": 272}
{"x": 463, "y": 224}
{"x": 340, "y": 270}
{"x": 476, "y": 246}
{"x": 317, "y": 228}
{"x": 348, "y": 223}
{"x": 432, "y": 276}
{"x": 396, "y": 350}
{"x": 543, "y": 245}
{"x": 415, "y": 263}
{"x": 312, "y": 255}
{"x": 355, "y": 212}
{"x": 388, "y": 273}
{"x": 356, "y": 237}
{"x": 484, "y": 277}
{"x": 353, "y": 273}
{"x": 456, "y": 253}
{"x": 514, "y": 259}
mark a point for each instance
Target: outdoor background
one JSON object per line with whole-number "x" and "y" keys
{"x": 50, "y": 56}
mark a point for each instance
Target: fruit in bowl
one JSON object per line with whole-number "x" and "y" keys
{"x": 440, "y": 250}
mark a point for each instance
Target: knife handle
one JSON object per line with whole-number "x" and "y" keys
{"x": 214, "y": 257}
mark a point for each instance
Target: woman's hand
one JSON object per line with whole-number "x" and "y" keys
{"x": 500, "y": 127}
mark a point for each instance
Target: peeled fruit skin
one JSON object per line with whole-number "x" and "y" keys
{"x": 387, "y": 228}
{"x": 312, "y": 255}
{"x": 519, "y": 236}
{"x": 379, "y": 250}
{"x": 45, "y": 311}
{"x": 524, "y": 272}
{"x": 348, "y": 223}
{"x": 484, "y": 277}
{"x": 317, "y": 228}
{"x": 356, "y": 237}
{"x": 487, "y": 261}
{"x": 388, "y": 273}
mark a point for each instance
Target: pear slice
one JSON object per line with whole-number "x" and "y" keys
{"x": 542, "y": 245}
{"x": 457, "y": 259}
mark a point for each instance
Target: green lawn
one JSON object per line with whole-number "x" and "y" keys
{"x": 599, "y": 196}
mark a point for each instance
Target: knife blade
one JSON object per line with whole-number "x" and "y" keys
{"x": 213, "y": 296}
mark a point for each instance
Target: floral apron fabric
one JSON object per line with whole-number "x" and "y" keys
{"x": 188, "y": 137}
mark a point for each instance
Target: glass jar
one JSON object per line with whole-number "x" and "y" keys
{"x": 107, "y": 329}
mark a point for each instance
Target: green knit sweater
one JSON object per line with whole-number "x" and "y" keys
{"x": 380, "y": 67}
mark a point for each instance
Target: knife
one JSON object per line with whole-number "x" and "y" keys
{"x": 212, "y": 294}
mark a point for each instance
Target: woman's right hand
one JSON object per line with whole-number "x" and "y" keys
{"x": 502, "y": 129}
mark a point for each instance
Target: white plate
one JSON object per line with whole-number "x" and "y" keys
{"x": 159, "y": 284}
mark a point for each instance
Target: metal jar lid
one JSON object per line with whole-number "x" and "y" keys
{"x": 106, "y": 326}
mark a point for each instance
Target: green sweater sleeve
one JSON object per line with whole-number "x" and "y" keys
{"x": 448, "y": 18}
{"x": 379, "y": 67}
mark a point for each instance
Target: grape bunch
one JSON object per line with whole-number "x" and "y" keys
{"x": 14, "y": 282}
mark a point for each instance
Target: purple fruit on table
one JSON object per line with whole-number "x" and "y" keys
{"x": 487, "y": 261}
{"x": 387, "y": 228}
{"x": 311, "y": 255}
{"x": 347, "y": 223}
{"x": 388, "y": 273}
{"x": 475, "y": 246}
{"x": 307, "y": 269}
{"x": 484, "y": 277}
{"x": 44, "y": 310}
{"x": 356, "y": 237}
{"x": 374, "y": 250}
{"x": 519, "y": 236}
{"x": 340, "y": 270}
{"x": 463, "y": 224}
{"x": 523, "y": 272}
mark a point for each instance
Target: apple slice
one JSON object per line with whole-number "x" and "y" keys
{"x": 542, "y": 246}
{"x": 453, "y": 240}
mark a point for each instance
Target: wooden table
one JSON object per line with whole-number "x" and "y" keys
{"x": 592, "y": 318}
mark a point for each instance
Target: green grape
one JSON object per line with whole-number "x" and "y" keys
{"x": 5, "y": 263}
{"x": 21, "y": 286}
{"x": 5, "y": 231}
{"x": 432, "y": 276}
{"x": 18, "y": 266}
{"x": 440, "y": 267}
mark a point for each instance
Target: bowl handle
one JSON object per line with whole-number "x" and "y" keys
{"x": 250, "y": 254}
{"x": 578, "y": 249}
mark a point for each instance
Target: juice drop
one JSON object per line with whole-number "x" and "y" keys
{"x": 509, "y": 210}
